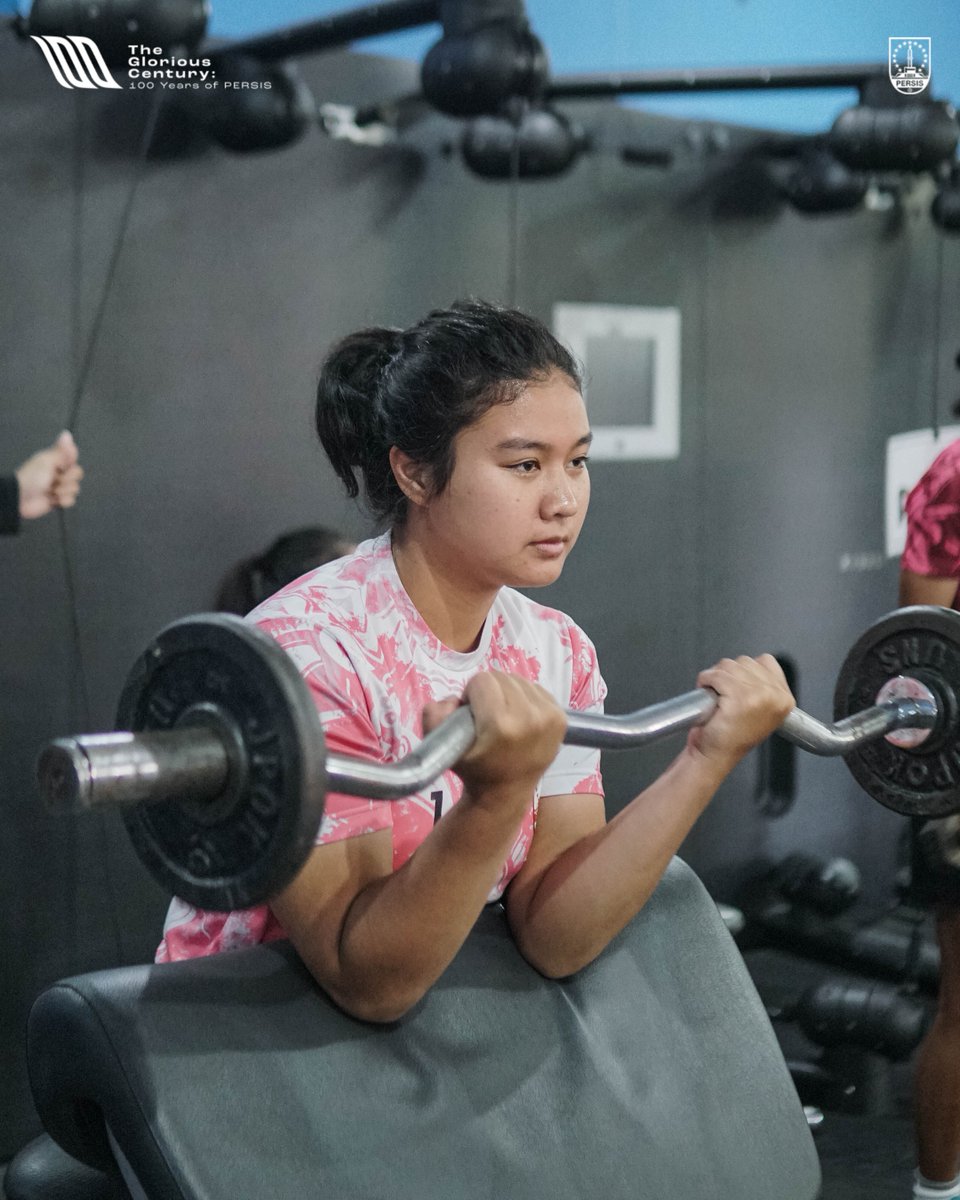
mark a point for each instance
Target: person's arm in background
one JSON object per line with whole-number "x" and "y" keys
{"x": 930, "y": 564}
{"x": 47, "y": 480}
{"x": 927, "y": 589}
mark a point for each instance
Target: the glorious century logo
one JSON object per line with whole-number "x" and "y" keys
{"x": 76, "y": 62}
{"x": 909, "y": 63}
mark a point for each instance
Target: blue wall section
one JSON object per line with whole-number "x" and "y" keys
{"x": 625, "y": 35}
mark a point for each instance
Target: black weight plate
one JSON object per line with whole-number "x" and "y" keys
{"x": 922, "y": 642}
{"x": 250, "y": 843}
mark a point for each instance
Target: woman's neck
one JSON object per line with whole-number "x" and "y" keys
{"x": 453, "y": 609}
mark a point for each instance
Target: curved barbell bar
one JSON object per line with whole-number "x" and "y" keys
{"x": 124, "y": 769}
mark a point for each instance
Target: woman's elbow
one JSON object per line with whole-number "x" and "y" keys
{"x": 552, "y": 961}
{"x": 376, "y": 1012}
{"x": 375, "y": 1005}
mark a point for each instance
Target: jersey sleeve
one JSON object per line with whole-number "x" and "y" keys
{"x": 338, "y": 693}
{"x": 933, "y": 527}
{"x": 576, "y": 769}
{"x": 9, "y": 504}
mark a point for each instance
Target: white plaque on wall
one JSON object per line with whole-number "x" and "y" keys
{"x": 631, "y": 363}
{"x": 908, "y": 456}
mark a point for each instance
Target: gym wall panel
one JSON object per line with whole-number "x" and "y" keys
{"x": 820, "y": 344}
{"x": 195, "y": 431}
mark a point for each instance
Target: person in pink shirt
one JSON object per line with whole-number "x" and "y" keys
{"x": 469, "y": 436}
{"x": 929, "y": 574}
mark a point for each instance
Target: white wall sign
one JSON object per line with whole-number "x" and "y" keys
{"x": 908, "y": 456}
{"x": 631, "y": 361}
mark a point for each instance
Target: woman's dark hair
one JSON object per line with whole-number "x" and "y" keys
{"x": 293, "y": 554}
{"x": 417, "y": 388}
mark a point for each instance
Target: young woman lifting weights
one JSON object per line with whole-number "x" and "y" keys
{"x": 469, "y": 435}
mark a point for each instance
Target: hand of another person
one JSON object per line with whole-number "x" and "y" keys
{"x": 50, "y": 478}
{"x": 520, "y": 728}
{"x": 752, "y": 701}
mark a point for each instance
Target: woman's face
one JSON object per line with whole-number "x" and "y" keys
{"x": 519, "y": 490}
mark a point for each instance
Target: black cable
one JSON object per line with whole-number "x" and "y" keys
{"x": 76, "y": 277}
{"x": 938, "y": 314}
{"x": 82, "y": 368}
{"x": 77, "y": 677}
{"x": 69, "y": 873}
{"x": 513, "y": 212}
{"x": 703, "y": 570}
{"x": 138, "y": 170}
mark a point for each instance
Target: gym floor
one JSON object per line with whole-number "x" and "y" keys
{"x": 863, "y": 1157}
{"x": 866, "y": 1158}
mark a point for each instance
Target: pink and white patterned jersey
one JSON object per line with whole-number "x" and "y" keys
{"x": 933, "y": 519}
{"x": 371, "y": 663}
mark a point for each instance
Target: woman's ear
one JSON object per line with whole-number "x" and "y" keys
{"x": 412, "y": 477}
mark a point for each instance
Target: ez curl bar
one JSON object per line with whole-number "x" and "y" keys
{"x": 222, "y": 771}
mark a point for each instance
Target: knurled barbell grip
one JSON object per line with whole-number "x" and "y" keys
{"x": 125, "y": 769}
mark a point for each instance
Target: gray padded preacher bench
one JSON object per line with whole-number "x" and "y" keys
{"x": 653, "y": 1073}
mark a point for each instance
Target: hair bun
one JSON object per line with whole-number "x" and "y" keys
{"x": 347, "y": 411}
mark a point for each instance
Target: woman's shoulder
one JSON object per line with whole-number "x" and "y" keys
{"x": 332, "y": 610}
{"x": 336, "y": 588}
{"x": 542, "y": 621}
{"x": 565, "y": 657}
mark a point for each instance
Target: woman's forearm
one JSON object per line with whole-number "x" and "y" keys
{"x": 596, "y": 886}
{"x": 403, "y": 929}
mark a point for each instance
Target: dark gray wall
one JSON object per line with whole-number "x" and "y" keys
{"x": 820, "y": 344}
{"x": 805, "y": 344}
